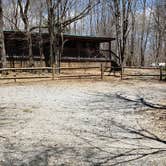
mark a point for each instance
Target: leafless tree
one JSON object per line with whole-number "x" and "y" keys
{"x": 58, "y": 21}
{"x": 24, "y": 16}
{"x": 144, "y": 32}
{"x": 2, "y": 45}
{"x": 131, "y": 39}
{"x": 139, "y": 29}
{"x": 121, "y": 10}
{"x": 160, "y": 29}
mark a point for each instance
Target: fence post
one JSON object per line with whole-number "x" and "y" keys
{"x": 102, "y": 71}
{"x": 121, "y": 72}
{"x": 53, "y": 71}
{"x": 15, "y": 77}
{"x": 161, "y": 74}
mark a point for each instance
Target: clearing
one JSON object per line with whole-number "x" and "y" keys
{"x": 82, "y": 123}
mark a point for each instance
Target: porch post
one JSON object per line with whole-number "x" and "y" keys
{"x": 78, "y": 49}
{"x": 110, "y": 55}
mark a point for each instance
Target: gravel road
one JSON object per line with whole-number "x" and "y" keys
{"x": 81, "y": 123}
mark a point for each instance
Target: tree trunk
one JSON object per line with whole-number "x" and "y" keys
{"x": 142, "y": 34}
{"x": 2, "y": 45}
{"x": 118, "y": 29}
{"x": 30, "y": 54}
{"x": 51, "y": 30}
{"x": 41, "y": 39}
{"x": 132, "y": 40}
{"x": 24, "y": 16}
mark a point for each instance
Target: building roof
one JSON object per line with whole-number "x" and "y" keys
{"x": 21, "y": 35}
{"x": 88, "y": 38}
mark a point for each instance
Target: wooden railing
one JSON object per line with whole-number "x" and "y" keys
{"x": 160, "y": 70}
{"x": 56, "y": 73}
{"x": 53, "y": 72}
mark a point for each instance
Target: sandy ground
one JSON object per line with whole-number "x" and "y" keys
{"x": 81, "y": 123}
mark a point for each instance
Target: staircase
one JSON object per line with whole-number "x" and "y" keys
{"x": 114, "y": 63}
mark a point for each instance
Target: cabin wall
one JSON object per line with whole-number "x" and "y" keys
{"x": 80, "y": 50}
{"x": 84, "y": 64}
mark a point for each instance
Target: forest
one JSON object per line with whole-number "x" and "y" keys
{"x": 82, "y": 82}
{"x": 139, "y": 26}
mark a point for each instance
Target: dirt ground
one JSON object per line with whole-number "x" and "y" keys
{"x": 82, "y": 123}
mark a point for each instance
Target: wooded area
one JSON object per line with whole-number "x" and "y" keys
{"x": 82, "y": 82}
{"x": 139, "y": 26}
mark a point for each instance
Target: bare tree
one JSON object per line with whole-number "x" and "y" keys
{"x": 160, "y": 30}
{"x": 121, "y": 10}
{"x": 140, "y": 36}
{"x": 143, "y": 35}
{"x": 40, "y": 35}
{"x": 58, "y": 21}
{"x": 2, "y": 45}
{"x": 11, "y": 15}
{"x": 24, "y": 16}
{"x": 15, "y": 19}
{"x": 132, "y": 38}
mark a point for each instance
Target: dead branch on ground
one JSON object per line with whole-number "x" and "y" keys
{"x": 143, "y": 101}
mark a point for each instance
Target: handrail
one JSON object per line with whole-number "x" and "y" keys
{"x": 27, "y": 68}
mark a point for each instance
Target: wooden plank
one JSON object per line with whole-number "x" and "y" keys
{"x": 102, "y": 71}
{"x": 53, "y": 71}
{"x": 143, "y": 75}
{"x": 30, "y": 77}
{"x": 44, "y": 68}
{"x": 72, "y": 76}
{"x": 76, "y": 59}
{"x": 135, "y": 67}
{"x": 28, "y": 68}
{"x": 78, "y": 68}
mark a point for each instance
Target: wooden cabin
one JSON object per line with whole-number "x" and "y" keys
{"x": 75, "y": 48}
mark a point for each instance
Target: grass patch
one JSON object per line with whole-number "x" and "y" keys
{"x": 5, "y": 122}
{"x": 27, "y": 110}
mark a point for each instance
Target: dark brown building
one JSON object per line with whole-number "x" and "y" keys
{"x": 75, "y": 48}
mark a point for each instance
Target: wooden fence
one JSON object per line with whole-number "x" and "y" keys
{"x": 58, "y": 73}
{"x": 159, "y": 72}
{"x": 52, "y": 73}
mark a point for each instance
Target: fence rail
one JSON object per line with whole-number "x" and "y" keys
{"x": 53, "y": 71}
{"x": 25, "y": 69}
{"x": 161, "y": 72}
{"x": 52, "y": 74}
{"x": 139, "y": 67}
